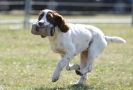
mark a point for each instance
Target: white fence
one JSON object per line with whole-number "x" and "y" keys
{"x": 53, "y": 5}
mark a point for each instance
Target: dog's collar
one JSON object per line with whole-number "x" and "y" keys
{"x": 52, "y": 31}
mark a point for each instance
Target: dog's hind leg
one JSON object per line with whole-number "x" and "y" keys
{"x": 96, "y": 47}
{"x": 83, "y": 63}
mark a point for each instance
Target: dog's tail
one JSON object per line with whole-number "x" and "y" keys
{"x": 115, "y": 39}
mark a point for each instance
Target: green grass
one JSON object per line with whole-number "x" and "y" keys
{"x": 27, "y": 63}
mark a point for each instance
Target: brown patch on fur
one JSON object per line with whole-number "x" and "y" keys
{"x": 84, "y": 58}
{"x": 55, "y": 19}
{"x": 60, "y": 22}
{"x": 50, "y": 18}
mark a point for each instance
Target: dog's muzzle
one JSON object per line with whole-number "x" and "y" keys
{"x": 43, "y": 31}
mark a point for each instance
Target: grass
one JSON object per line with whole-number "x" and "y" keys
{"x": 27, "y": 63}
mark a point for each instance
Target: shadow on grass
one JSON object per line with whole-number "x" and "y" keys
{"x": 79, "y": 87}
{"x": 71, "y": 87}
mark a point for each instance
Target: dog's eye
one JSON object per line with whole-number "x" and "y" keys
{"x": 49, "y": 16}
{"x": 40, "y": 16}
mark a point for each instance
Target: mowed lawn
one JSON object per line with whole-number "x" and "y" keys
{"x": 27, "y": 63}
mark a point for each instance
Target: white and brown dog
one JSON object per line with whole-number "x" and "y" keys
{"x": 71, "y": 39}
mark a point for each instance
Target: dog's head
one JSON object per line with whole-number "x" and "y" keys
{"x": 47, "y": 21}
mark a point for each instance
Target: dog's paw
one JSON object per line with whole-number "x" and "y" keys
{"x": 54, "y": 79}
{"x": 78, "y": 73}
{"x": 76, "y": 66}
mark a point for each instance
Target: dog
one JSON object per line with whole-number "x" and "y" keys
{"x": 69, "y": 39}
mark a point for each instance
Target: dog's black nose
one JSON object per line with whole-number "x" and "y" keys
{"x": 40, "y": 23}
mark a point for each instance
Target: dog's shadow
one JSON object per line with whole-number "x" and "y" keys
{"x": 79, "y": 87}
{"x": 70, "y": 87}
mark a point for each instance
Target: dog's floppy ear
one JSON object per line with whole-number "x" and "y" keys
{"x": 60, "y": 22}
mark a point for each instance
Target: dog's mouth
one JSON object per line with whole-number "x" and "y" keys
{"x": 43, "y": 30}
{"x": 35, "y": 29}
{"x": 38, "y": 28}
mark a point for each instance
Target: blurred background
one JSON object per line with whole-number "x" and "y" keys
{"x": 24, "y": 12}
{"x": 27, "y": 62}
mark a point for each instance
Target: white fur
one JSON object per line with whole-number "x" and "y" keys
{"x": 44, "y": 20}
{"x": 79, "y": 38}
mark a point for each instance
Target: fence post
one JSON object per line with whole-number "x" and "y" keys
{"x": 28, "y": 8}
{"x": 132, "y": 11}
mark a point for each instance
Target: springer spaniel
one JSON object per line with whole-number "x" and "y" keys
{"x": 71, "y": 39}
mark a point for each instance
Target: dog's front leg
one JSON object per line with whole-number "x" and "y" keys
{"x": 71, "y": 66}
{"x": 70, "y": 51}
{"x": 63, "y": 62}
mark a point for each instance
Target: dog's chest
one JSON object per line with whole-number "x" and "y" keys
{"x": 57, "y": 46}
